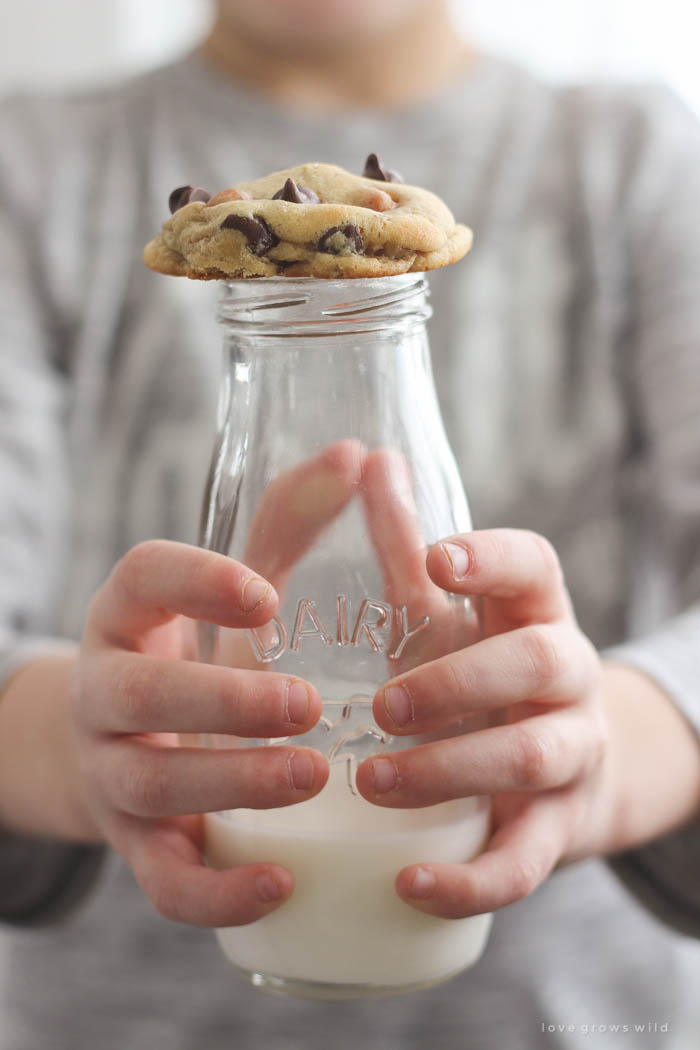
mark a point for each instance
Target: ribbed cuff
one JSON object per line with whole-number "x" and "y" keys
{"x": 665, "y": 874}
{"x": 42, "y": 881}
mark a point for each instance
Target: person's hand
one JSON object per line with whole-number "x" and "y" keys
{"x": 132, "y": 692}
{"x": 539, "y": 678}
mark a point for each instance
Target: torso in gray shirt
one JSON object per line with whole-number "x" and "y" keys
{"x": 565, "y": 351}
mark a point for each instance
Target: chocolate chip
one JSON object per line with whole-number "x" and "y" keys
{"x": 174, "y": 198}
{"x": 296, "y": 194}
{"x": 199, "y": 194}
{"x": 374, "y": 169}
{"x": 256, "y": 231}
{"x": 342, "y": 240}
{"x": 186, "y": 195}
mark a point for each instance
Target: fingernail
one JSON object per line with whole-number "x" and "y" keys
{"x": 301, "y": 771}
{"x": 252, "y": 593}
{"x": 297, "y": 702}
{"x": 398, "y": 704}
{"x": 423, "y": 883}
{"x": 267, "y": 887}
{"x": 384, "y": 775}
{"x": 459, "y": 559}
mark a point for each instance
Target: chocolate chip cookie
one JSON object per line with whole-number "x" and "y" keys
{"x": 316, "y": 220}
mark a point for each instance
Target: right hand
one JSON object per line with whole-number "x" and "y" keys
{"x": 135, "y": 687}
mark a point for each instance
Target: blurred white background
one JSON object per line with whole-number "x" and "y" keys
{"x": 47, "y": 43}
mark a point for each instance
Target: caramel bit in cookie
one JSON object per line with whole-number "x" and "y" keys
{"x": 378, "y": 200}
{"x": 296, "y": 194}
{"x": 374, "y": 169}
{"x": 186, "y": 195}
{"x": 342, "y": 240}
{"x": 256, "y": 231}
{"x": 228, "y": 195}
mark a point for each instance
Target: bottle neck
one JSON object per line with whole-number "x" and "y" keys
{"x": 346, "y": 358}
{"x": 319, "y": 370}
{"x": 272, "y": 310}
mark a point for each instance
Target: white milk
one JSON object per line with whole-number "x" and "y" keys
{"x": 344, "y": 923}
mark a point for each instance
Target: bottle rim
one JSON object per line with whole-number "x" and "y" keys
{"x": 310, "y": 306}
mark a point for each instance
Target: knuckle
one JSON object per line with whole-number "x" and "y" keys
{"x": 456, "y": 678}
{"x": 223, "y": 695}
{"x": 255, "y": 706}
{"x": 164, "y": 897}
{"x": 547, "y": 554}
{"x": 263, "y": 779}
{"x": 534, "y": 755}
{"x": 146, "y": 789}
{"x": 131, "y": 692}
{"x": 228, "y": 712}
{"x": 494, "y": 546}
{"x": 543, "y": 654}
{"x": 525, "y": 877}
{"x": 263, "y": 698}
{"x": 134, "y": 564}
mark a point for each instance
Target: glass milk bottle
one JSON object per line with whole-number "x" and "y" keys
{"x": 331, "y": 476}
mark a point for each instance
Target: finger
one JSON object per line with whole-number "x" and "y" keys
{"x": 158, "y": 579}
{"x": 134, "y": 693}
{"x": 535, "y": 754}
{"x": 552, "y": 662}
{"x": 516, "y": 569}
{"x": 306, "y": 500}
{"x": 146, "y": 779}
{"x": 394, "y": 528}
{"x": 169, "y": 869}
{"x": 431, "y": 623}
{"x": 293, "y": 512}
{"x": 519, "y": 857}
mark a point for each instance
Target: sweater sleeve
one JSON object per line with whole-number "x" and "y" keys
{"x": 665, "y": 874}
{"x": 661, "y": 365}
{"x": 40, "y": 880}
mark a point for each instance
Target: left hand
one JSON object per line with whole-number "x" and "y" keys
{"x": 544, "y": 758}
